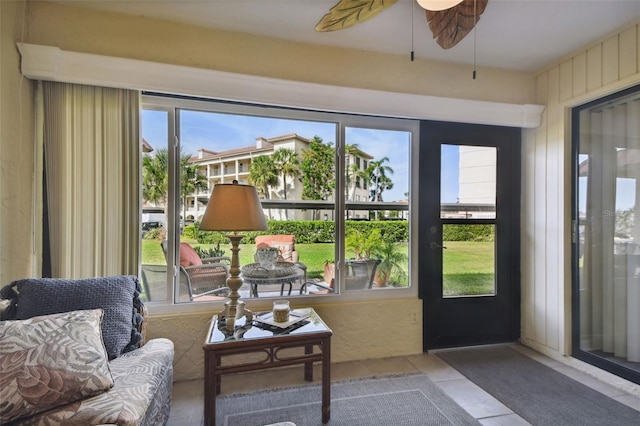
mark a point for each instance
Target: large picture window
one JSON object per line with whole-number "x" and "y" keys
{"x": 298, "y": 161}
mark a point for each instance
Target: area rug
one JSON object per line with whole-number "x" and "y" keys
{"x": 535, "y": 392}
{"x": 408, "y": 400}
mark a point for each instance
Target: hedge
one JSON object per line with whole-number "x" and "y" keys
{"x": 322, "y": 231}
{"x": 476, "y": 233}
{"x": 306, "y": 231}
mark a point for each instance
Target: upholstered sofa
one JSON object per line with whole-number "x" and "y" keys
{"x": 73, "y": 352}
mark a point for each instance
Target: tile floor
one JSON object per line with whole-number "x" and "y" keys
{"x": 187, "y": 407}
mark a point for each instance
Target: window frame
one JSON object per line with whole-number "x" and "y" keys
{"x": 172, "y": 104}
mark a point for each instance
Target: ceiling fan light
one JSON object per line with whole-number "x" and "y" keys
{"x": 436, "y": 5}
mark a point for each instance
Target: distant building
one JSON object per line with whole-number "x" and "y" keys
{"x": 477, "y": 174}
{"x": 233, "y": 164}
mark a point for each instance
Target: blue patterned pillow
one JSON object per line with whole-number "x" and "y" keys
{"x": 118, "y": 296}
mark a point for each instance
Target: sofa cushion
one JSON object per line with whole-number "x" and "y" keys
{"x": 140, "y": 396}
{"x": 118, "y": 296}
{"x": 51, "y": 360}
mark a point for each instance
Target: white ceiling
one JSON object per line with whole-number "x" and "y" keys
{"x": 513, "y": 34}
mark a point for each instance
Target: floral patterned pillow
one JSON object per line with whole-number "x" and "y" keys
{"x": 51, "y": 360}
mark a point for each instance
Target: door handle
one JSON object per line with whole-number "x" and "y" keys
{"x": 435, "y": 245}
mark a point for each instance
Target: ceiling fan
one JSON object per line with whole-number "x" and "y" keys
{"x": 449, "y": 20}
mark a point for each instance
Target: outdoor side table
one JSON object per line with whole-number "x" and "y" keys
{"x": 289, "y": 279}
{"x": 311, "y": 335}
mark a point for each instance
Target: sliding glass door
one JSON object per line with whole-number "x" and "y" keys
{"x": 606, "y": 234}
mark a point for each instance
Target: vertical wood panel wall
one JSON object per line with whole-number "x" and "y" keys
{"x": 604, "y": 67}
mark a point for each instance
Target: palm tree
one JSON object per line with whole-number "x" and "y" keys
{"x": 263, "y": 174}
{"x": 287, "y": 164}
{"x": 378, "y": 173}
{"x": 191, "y": 180}
{"x": 392, "y": 258}
{"x": 155, "y": 177}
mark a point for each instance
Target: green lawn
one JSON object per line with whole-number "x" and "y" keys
{"x": 468, "y": 266}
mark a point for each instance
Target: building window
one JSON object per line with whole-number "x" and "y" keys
{"x": 297, "y": 173}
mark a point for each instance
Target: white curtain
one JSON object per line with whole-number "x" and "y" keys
{"x": 92, "y": 175}
{"x": 610, "y": 256}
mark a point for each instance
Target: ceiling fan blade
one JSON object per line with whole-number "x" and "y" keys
{"x": 347, "y": 13}
{"x": 452, "y": 25}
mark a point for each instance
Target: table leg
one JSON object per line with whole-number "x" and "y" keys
{"x": 210, "y": 385}
{"x": 218, "y": 379}
{"x": 326, "y": 380}
{"x": 308, "y": 366}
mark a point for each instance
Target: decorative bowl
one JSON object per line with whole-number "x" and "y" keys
{"x": 255, "y": 270}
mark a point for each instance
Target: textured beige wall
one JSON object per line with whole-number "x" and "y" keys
{"x": 85, "y": 30}
{"x": 361, "y": 330}
{"x": 601, "y": 68}
{"x": 16, "y": 151}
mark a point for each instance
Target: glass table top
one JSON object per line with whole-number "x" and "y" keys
{"x": 302, "y": 321}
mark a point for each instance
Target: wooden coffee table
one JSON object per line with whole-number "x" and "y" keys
{"x": 311, "y": 335}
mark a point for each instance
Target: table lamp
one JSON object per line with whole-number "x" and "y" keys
{"x": 436, "y": 5}
{"x": 234, "y": 207}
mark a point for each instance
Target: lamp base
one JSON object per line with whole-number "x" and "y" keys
{"x": 234, "y": 308}
{"x": 232, "y": 312}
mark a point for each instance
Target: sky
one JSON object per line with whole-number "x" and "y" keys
{"x": 219, "y": 132}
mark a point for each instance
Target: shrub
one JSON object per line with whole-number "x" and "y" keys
{"x": 191, "y": 231}
{"x": 363, "y": 244}
{"x": 478, "y": 233}
{"x": 155, "y": 234}
{"x": 312, "y": 231}
{"x": 211, "y": 237}
{"x": 209, "y": 252}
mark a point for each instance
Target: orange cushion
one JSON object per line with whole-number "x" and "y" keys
{"x": 280, "y": 238}
{"x": 188, "y": 256}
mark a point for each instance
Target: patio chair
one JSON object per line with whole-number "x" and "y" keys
{"x": 360, "y": 275}
{"x": 286, "y": 245}
{"x": 154, "y": 282}
{"x": 203, "y": 277}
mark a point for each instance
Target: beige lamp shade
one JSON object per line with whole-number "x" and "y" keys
{"x": 436, "y": 5}
{"x": 233, "y": 207}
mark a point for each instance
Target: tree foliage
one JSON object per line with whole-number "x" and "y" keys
{"x": 155, "y": 177}
{"x": 378, "y": 175}
{"x": 263, "y": 174}
{"x": 318, "y": 171}
{"x": 287, "y": 165}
